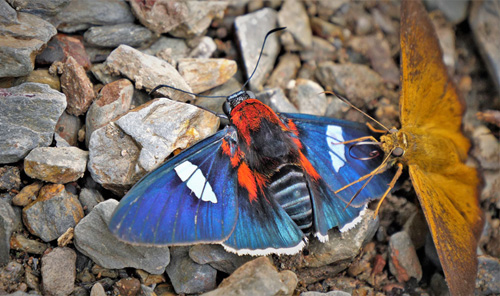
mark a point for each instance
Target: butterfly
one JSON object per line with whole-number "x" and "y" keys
{"x": 431, "y": 144}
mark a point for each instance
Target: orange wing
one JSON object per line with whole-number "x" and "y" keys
{"x": 450, "y": 205}
{"x": 429, "y": 98}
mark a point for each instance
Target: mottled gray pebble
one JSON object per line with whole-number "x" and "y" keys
{"x": 113, "y": 36}
{"x": 308, "y": 96}
{"x": 403, "y": 259}
{"x": 276, "y": 99}
{"x": 6, "y": 227}
{"x": 59, "y": 271}
{"x": 217, "y": 257}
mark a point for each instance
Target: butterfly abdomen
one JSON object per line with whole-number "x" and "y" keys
{"x": 289, "y": 189}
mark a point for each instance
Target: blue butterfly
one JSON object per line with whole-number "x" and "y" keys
{"x": 259, "y": 186}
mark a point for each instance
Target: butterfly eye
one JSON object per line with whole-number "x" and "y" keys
{"x": 251, "y": 94}
{"x": 393, "y": 130}
{"x": 398, "y": 151}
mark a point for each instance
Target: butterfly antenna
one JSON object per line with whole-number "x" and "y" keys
{"x": 261, "y": 52}
{"x": 343, "y": 99}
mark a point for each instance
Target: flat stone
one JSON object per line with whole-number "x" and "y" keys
{"x": 56, "y": 164}
{"x": 325, "y": 29}
{"x": 251, "y": 30}
{"x": 276, "y": 99}
{"x": 67, "y": 128}
{"x": 23, "y": 129}
{"x": 217, "y": 257}
{"x": 59, "y": 271}
{"x": 81, "y": 14}
{"x": 22, "y": 243}
{"x": 95, "y": 241}
{"x": 320, "y": 51}
{"x": 52, "y": 213}
{"x": 89, "y": 198}
{"x": 27, "y": 194}
{"x": 308, "y": 96}
{"x": 61, "y": 47}
{"x": 187, "y": 276}
{"x": 204, "y": 74}
{"x": 293, "y": 16}
{"x": 204, "y": 49}
{"x": 42, "y": 76}
{"x": 257, "y": 277}
{"x": 198, "y": 18}
{"x": 8, "y": 15}
{"x": 10, "y": 178}
{"x": 114, "y": 35}
{"x": 41, "y": 8}
{"x": 148, "y": 72}
{"x": 403, "y": 259}
{"x": 160, "y": 17}
{"x": 286, "y": 70}
{"x": 113, "y": 100}
{"x": 7, "y": 217}
{"x": 168, "y": 49}
{"x": 77, "y": 87}
{"x": 21, "y": 41}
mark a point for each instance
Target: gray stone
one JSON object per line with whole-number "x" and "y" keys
{"x": 321, "y": 51}
{"x": 217, "y": 257}
{"x": 160, "y": 16}
{"x": 11, "y": 275}
{"x": 41, "y": 8}
{"x": 293, "y": 16}
{"x": 455, "y": 11}
{"x": 59, "y": 272}
{"x": 95, "y": 241}
{"x": 251, "y": 30}
{"x": 198, "y": 18}
{"x": 168, "y": 49}
{"x": 6, "y": 227}
{"x": 21, "y": 42}
{"x": 486, "y": 148}
{"x": 52, "y": 213}
{"x": 22, "y": 243}
{"x": 148, "y": 72}
{"x": 286, "y": 70}
{"x": 187, "y": 276}
{"x": 102, "y": 73}
{"x": 276, "y": 99}
{"x": 114, "y": 35}
{"x": 308, "y": 96}
{"x": 488, "y": 276}
{"x": 10, "y": 178}
{"x": 403, "y": 259}
{"x": 82, "y": 14}
{"x": 204, "y": 74}
{"x": 215, "y": 104}
{"x": 22, "y": 129}
{"x": 89, "y": 198}
{"x": 67, "y": 128}
{"x": 56, "y": 164}
{"x": 257, "y": 277}
{"x": 8, "y": 15}
{"x": 204, "y": 49}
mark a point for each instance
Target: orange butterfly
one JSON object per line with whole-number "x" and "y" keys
{"x": 431, "y": 144}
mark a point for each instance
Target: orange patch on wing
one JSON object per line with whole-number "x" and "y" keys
{"x": 247, "y": 180}
{"x": 304, "y": 162}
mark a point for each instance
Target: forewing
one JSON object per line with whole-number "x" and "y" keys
{"x": 450, "y": 205}
{"x": 189, "y": 199}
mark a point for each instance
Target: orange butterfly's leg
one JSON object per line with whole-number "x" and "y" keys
{"x": 389, "y": 188}
{"x": 373, "y": 129}
{"x": 358, "y": 140}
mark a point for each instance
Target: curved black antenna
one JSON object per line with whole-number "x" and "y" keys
{"x": 261, "y": 51}
{"x": 373, "y": 154}
{"x": 184, "y": 91}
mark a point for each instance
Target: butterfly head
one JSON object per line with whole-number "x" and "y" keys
{"x": 235, "y": 99}
{"x": 395, "y": 143}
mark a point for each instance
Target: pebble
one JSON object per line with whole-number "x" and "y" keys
{"x": 204, "y": 74}
{"x": 56, "y": 164}
{"x": 23, "y": 38}
{"x": 187, "y": 276}
{"x": 114, "y": 99}
{"x": 21, "y": 130}
{"x": 59, "y": 271}
{"x": 127, "y": 287}
{"x": 276, "y": 99}
{"x": 204, "y": 49}
{"x": 383, "y": 21}
{"x": 42, "y": 8}
{"x": 27, "y": 194}
{"x": 485, "y": 26}
{"x": 94, "y": 240}
{"x": 326, "y": 30}
{"x": 11, "y": 276}
{"x": 114, "y": 35}
{"x": 81, "y": 14}
{"x": 7, "y": 216}
{"x": 293, "y": 16}
{"x": 486, "y": 148}
{"x": 321, "y": 51}
{"x": 403, "y": 259}
{"x": 251, "y": 30}
{"x": 150, "y": 279}
{"x": 76, "y": 86}
{"x": 97, "y": 290}
{"x": 358, "y": 83}
{"x": 10, "y": 178}
{"x": 8, "y": 15}
{"x": 148, "y": 72}
{"x": 488, "y": 276}
{"x": 308, "y": 96}
{"x": 168, "y": 49}
{"x": 62, "y": 46}
{"x": 67, "y": 128}
{"x": 257, "y": 277}
{"x": 286, "y": 70}
{"x": 52, "y": 213}
{"x": 217, "y": 257}
{"x": 438, "y": 285}
{"x": 42, "y": 76}
{"x": 89, "y": 198}
{"x": 198, "y": 18}
{"x": 22, "y": 243}
{"x": 455, "y": 11}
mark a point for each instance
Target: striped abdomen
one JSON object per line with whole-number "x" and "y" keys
{"x": 288, "y": 187}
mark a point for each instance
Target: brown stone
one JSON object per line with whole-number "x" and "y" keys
{"x": 77, "y": 87}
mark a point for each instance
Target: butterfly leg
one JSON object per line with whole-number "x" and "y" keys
{"x": 389, "y": 188}
{"x": 375, "y": 130}
{"x": 357, "y": 140}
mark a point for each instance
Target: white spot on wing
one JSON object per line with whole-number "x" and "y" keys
{"x": 196, "y": 181}
{"x": 337, "y": 152}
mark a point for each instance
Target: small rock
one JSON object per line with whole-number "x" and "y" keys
{"x": 112, "y": 36}
{"x": 486, "y": 148}
{"x": 215, "y": 104}
{"x": 97, "y": 290}
{"x": 10, "y": 178}
{"x": 21, "y": 41}
{"x": 257, "y": 277}
{"x": 67, "y": 128}
{"x": 250, "y": 30}
{"x": 286, "y": 70}
{"x": 383, "y": 21}
{"x": 104, "y": 272}
{"x": 217, "y": 257}
{"x": 403, "y": 259}
{"x": 11, "y": 276}
{"x": 488, "y": 276}
{"x": 8, "y": 15}
{"x": 56, "y": 164}
{"x": 358, "y": 83}
{"x": 204, "y": 74}
{"x": 42, "y": 76}
{"x": 40, "y": 8}
{"x": 22, "y": 243}
{"x": 77, "y": 87}
{"x": 168, "y": 49}
{"x": 81, "y": 14}
{"x": 455, "y": 11}
{"x": 27, "y": 194}
{"x": 52, "y": 213}
{"x": 128, "y": 286}
{"x": 276, "y": 99}
{"x": 189, "y": 277}
{"x": 204, "y": 49}
{"x": 94, "y": 240}
{"x": 23, "y": 129}
{"x": 59, "y": 272}
{"x": 320, "y": 51}
{"x": 89, "y": 198}
{"x": 148, "y": 72}
{"x": 114, "y": 100}
{"x": 198, "y": 17}
{"x": 309, "y": 98}
{"x": 326, "y": 30}
{"x": 7, "y": 216}
{"x": 293, "y": 16}
{"x": 150, "y": 279}
{"x": 60, "y": 48}
{"x": 364, "y": 24}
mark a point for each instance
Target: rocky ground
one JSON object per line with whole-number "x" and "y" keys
{"x": 78, "y": 129}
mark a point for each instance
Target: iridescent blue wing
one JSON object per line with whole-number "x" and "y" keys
{"x": 337, "y": 168}
{"x": 189, "y": 199}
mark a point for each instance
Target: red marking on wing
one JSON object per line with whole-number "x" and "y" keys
{"x": 246, "y": 179}
{"x": 310, "y": 170}
{"x": 226, "y": 148}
